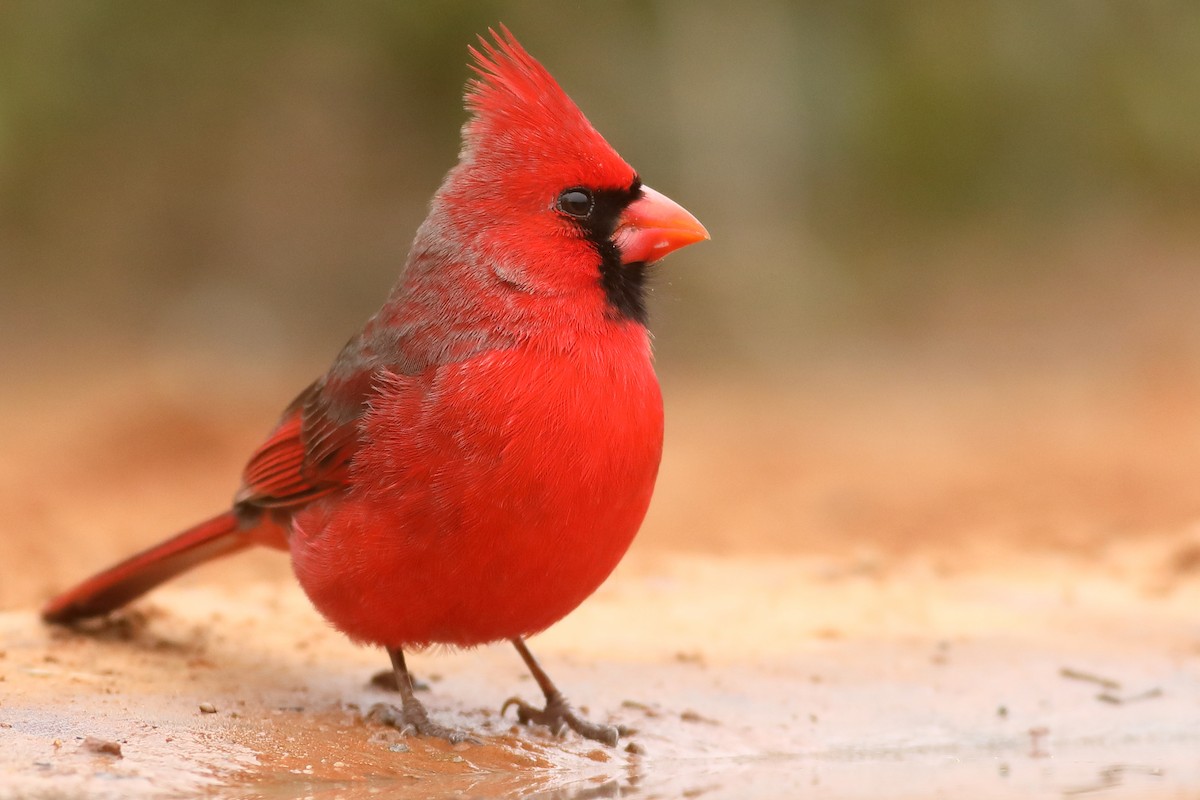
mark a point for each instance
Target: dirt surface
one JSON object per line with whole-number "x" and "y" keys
{"x": 948, "y": 588}
{"x": 837, "y": 678}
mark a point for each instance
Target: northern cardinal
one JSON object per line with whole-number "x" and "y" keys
{"x": 480, "y": 455}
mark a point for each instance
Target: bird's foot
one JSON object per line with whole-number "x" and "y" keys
{"x": 558, "y": 715}
{"x": 412, "y": 718}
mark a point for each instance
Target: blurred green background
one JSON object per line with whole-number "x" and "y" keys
{"x": 952, "y": 295}
{"x": 993, "y": 179}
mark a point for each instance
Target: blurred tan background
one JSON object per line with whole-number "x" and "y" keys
{"x": 950, "y": 305}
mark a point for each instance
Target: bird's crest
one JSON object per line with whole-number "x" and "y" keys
{"x": 509, "y": 78}
{"x": 519, "y": 108}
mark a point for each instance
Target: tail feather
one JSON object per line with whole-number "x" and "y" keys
{"x": 114, "y": 587}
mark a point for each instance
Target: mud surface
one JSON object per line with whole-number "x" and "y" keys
{"x": 822, "y": 676}
{"x": 837, "y": 593}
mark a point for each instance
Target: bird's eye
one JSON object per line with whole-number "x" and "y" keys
{"x": 576, "y": 202}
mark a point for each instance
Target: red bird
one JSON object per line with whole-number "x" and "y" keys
{"x": 480, "y": 455}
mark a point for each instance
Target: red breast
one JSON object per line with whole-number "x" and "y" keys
{"x": 493, "y": 495}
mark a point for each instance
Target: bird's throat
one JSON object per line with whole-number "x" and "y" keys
{"x": 624, "y": 285}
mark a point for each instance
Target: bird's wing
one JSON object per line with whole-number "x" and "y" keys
{"x": 309, "y": 452}
{"x": 311, "y": 449}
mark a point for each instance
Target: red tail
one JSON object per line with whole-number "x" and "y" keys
{"x": 133, "y": 577}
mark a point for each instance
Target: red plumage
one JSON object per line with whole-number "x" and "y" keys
{"x": 480, "y": 456}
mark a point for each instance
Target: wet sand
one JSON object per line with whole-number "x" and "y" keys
{"x": 743, "y": 677}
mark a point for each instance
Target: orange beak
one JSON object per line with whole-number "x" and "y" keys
{"x": 654, "y": 225}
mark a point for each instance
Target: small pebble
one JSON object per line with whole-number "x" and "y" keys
{"x": 208, "y": 708}
{"x": 635, "y": 748}
{"x": 692, "y": 716}
{"x": 105, "y": 746}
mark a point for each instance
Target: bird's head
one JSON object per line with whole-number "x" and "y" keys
{"x": 543, "y": 199}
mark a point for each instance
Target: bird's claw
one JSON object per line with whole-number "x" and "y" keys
{"x": 413, "y": 719}
{"x": 558, "y": 715}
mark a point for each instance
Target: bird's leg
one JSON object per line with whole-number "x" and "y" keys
{"x": 411, "y": 716}
{"x": 558, "y": 713}
{"x": 385, "y": 680}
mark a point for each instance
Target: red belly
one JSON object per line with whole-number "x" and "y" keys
{"x": 495, "y": 495}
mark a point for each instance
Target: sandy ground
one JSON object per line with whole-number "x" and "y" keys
{"x": 915, "y": 594}
{"x": 743, "y": 677}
